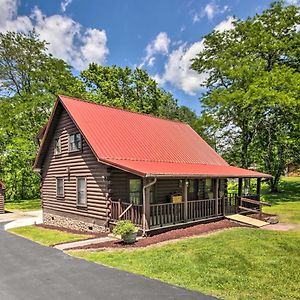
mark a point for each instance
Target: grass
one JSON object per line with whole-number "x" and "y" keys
{"x": 23, "y": 205}
{"x": 233, "y": 264}
{"x": 240, "y": 263}
{"x": 47, "y": 237}
{"x": 286, "y": 203}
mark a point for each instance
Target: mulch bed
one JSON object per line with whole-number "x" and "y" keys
{"x": 262, "y": 217}
{"x": 166, "y": 236}
{"x": 93, "y": 234}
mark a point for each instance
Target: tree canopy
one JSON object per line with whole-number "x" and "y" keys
{"x": 253, "y": 89}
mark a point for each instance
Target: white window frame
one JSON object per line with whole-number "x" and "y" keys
{"x": 73, "y": 143}
{"x": 77, "y": 191}
{"x": 57, "y": 145}
{"x": 63, "y": 187}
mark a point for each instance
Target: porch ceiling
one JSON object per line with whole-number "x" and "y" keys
{"x": 170, "y": 169}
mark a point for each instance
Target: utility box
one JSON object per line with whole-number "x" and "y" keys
{"x": 2, "y": 189}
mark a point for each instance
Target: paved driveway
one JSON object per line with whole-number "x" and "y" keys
{"x": 30, "y": 271}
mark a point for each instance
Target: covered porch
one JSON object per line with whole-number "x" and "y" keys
{"x": 194, "y": 200}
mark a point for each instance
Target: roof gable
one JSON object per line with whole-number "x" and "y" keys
{"x": 139, "y": 143}
{"x": 119, "y": 134}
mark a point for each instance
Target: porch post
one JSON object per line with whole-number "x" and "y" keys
{"x": 240, "y": 188}
{"x": 147, "y": 208}
{"x": 258, "y": 187}
{"x": 185, "y": 198}
{"x": 216, "y": 192}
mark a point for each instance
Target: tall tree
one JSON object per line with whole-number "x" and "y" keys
{"x": 30, "y": 79}
{"x": 253, "y": 80}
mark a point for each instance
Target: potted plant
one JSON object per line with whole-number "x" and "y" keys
{"x": 126, "y": 230}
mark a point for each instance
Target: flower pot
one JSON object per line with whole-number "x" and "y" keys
{"x": 129, "y": 238}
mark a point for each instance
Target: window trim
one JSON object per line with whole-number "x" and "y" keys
{"x": 69, "y": 146}
{"x": 58, "y": 139}
{"x": 63, "y": 187}
{"x": 77, "y": 198}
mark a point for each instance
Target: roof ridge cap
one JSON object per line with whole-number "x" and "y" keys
{"x": 123, "y": 109}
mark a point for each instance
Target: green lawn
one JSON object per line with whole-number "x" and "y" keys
{"x": 286, "y": 203}
{"x": 24, "y": 205}
{"x": 233, "y": 264}
{"x": 47, "y": 237}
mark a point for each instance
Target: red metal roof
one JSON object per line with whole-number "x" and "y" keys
{"x": 146, "y": 145}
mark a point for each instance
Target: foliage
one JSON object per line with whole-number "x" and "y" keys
{"x": 30, "y": 80}
{"x": 48, "y": 237}
{"x": 124, "y": 227}
{"x": 225, "y": 264}
{"x": 23, "y": 205}
{"x": 253, "y": 89}
{"x": 135, "y": 90}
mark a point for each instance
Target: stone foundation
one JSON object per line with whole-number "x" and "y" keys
{"x": 60, "y": 221}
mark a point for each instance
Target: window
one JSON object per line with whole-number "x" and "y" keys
{"x": 57, "y": 146}
{"x": 135, "y": 188}
{"x": 59, "y": 187}
{"x": 191, "y": 186}
{"x": 81, "y": 191}
{"x": 209, "y": 189}
{"x": 75, "y": 142}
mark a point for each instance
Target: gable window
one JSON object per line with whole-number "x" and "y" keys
{"x": 60, "y": 187}
{"x": 135, "y": 189}
{"x": 75, "y": 142}
{"x": 81, "y": 191}
{"x": 57, "y": 146}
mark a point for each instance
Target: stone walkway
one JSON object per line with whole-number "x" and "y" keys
{"x": 280, "y": 227}
{"x": 71, "y": 245}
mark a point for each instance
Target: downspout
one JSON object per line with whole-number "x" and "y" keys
{"x": 144, "y": 203}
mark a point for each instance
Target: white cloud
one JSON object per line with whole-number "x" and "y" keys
{"x": 160, "y": 45}
{"x": 210, "y": 10}
{"x": 66, "y": 37}
{"x": 292, "y": 2}
{"x": 64, "y": 4}
{"x": 225, "y": 25}
{"x": 177, "y": 69}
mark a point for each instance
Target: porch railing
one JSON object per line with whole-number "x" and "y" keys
{"x": 166, "y": 213}
{"x": 163, "y": 214}
{"x": 126, "y": 211}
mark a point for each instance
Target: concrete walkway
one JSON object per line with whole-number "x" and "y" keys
{"x": 31, "y": 271}
{"x": 19, "y": 218}
{"x": 71, "y": 245}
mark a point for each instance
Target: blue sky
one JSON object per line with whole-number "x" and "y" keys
{"x": 159, "y": 35}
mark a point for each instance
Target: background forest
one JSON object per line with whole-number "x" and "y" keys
{"x": 250, "y": 105}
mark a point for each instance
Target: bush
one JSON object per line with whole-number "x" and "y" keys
{"x": 124, "y": 227}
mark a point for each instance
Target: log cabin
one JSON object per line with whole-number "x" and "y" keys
{"x": 100, "y": 164}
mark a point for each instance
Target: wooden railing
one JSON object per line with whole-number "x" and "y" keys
{"x": 173, "y": 213}
{"x": 166, "y": 213}
{"x": 126, "y": 211}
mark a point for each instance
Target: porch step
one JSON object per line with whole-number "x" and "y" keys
{"x": 247, "y": 220}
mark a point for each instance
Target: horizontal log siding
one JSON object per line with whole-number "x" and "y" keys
{"x": 165, "y": 187}
{"x": 119, "y": 184}
{"x": 1, "y": 200}
{"x": 81, "y": 164}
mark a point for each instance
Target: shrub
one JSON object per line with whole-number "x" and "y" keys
{"x": 124, "y": 227}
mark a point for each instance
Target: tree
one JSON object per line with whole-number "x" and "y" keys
{"x": 253, "y": 81}
{"x": 30, "y": 80}
{"x": 134, "y": 90}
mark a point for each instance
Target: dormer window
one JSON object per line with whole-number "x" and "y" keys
{"x": 57, "y": 146}
{"x": 75, "y": 142}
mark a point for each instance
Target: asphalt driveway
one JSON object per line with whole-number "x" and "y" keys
{"x": 30, "y": 271}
